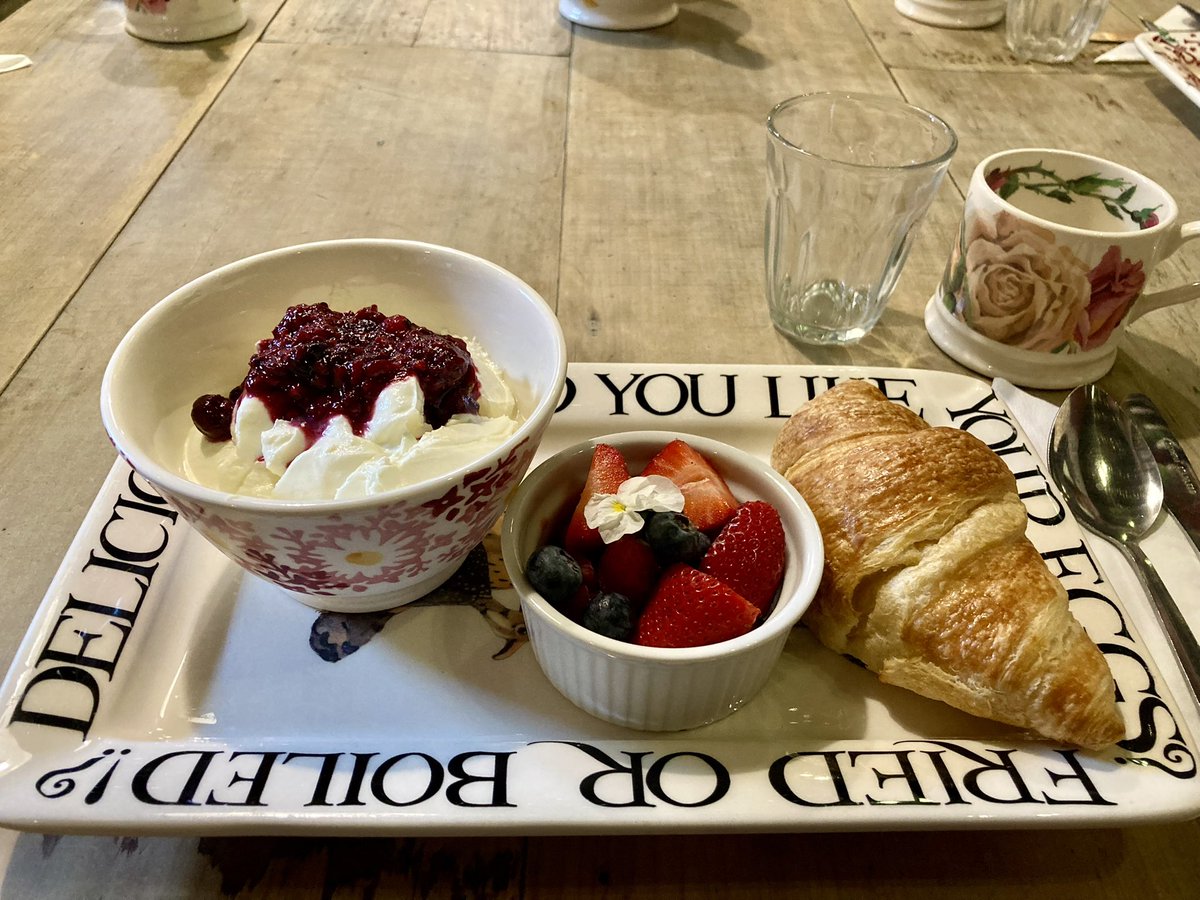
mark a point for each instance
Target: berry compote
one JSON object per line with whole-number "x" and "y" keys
{"x": 319, "y": 363}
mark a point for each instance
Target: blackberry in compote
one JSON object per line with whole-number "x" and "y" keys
{"x": 213, "y": 415}
{"x": 320, "y": 363}
{"x": 341, "y": 405}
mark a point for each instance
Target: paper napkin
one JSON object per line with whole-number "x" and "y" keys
{"x": 1167, "y": 546}
{"x": 10, "y": 62}
{"x": 1174, "y": 19}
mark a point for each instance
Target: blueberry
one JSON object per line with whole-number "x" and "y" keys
{"x": 673, "y": 538}
{"x": 611, "y": 615}
{"x": 554, "y": 574}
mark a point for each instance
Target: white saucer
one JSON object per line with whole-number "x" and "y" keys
{"x": 1027, "y": 368}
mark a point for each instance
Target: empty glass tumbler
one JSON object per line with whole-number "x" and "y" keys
{"x": 1051, "y": 31}
{"x": 848, "y": 178}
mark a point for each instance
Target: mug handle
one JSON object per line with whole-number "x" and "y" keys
{"x": 1158, "y": 299}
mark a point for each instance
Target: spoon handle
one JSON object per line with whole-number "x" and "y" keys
{"x": 1182, "y": 640}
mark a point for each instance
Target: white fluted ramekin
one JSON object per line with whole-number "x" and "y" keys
{"x": 657, "y": 688}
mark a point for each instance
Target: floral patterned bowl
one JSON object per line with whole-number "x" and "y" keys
{"x": 658, "y": 688}
{"x": 343, "y": 555}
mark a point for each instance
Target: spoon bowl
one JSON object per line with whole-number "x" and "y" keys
{"x": 1108, "y": 476}
{"x": 1104, "y": 466}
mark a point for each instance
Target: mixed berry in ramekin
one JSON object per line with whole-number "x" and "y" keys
{"x": 627, "y": 673}
{"x": 665, "y": 556}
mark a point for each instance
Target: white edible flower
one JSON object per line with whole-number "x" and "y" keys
{"x": 616, "y": 515}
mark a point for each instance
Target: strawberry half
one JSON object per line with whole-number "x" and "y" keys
{"x": 707, "y": 500}
{"x": 608, "y": 470}
{"x": 692, "y": 608}
{"x": 748, "y": 554}
{"x": 628, "y": 567}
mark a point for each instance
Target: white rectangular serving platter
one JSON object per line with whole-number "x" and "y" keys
{"x": 160, "y": 690}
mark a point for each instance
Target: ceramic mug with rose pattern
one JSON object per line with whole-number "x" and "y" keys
{"x": 183, "y": 21}
{"x": 1050, "y": 264}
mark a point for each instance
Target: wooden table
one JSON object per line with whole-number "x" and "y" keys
{"x": 622, "y": 176}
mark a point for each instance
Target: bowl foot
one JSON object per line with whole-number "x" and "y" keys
{"x": 353, "y": 602}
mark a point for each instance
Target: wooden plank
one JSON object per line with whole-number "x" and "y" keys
{"x": 87, "y": 130}
{"x": 1151, "y": 861}
{"x": 269, "y": 868}
{"x": 8, "y": 7}
{"x": 665, "y": 188}
{"x": 355, "y": 148}
{"x": 394, "y": 22}
{"x": 514, "y": 26}
{"x": 352, "y": 149}
{"x": 906, "y": 43}
{"x": 30, "y": 28}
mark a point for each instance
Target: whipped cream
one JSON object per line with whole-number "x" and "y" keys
{"x": 268, "y": 458}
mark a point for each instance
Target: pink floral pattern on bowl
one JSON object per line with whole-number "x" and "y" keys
{"x": 368, "y": 551}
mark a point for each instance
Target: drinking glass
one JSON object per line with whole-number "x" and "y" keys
{"x": 848, "y": 178}
{"x": 1051, "y": 31}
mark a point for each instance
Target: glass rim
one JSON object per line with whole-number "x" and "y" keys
{"x": 874, "y": 100}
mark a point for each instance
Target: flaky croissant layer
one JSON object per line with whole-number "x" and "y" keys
{"x": 929, "y": 578}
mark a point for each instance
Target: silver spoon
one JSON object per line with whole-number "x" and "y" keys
{"x": 1107, "y": 473}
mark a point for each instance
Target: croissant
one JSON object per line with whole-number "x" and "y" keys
{"x": 929, "y": 578}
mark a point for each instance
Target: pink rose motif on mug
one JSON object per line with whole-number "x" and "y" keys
{"x": 1115, "y": 284}
{"x": 1011, "y": 281}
